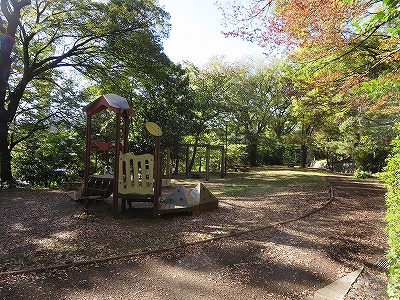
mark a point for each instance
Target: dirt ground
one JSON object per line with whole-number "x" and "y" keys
{"x": 285, "y": 261}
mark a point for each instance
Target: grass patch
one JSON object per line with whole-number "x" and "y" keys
{"x": 266, "y": 179}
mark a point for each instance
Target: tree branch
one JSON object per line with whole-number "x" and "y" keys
{"x": 36, "y": 126}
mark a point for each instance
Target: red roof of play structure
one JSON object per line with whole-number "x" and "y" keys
{"x": 109, "y": 101}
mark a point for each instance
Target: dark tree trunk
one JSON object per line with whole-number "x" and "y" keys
{"x": 6, "y": 45}
{"x": 280, "y": 151}
{"x": 5, "y": 153}
{"x": 191, "y": 164}
{"x": 303, "y": 150}
{"x": 252, "y": 150}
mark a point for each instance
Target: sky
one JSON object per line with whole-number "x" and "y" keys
{"x": 196, "y": 33}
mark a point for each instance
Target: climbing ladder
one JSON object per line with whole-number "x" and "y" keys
{"x": 98, "y": 188}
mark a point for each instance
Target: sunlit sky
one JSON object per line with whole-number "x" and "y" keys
{"x": 196, "y": 33}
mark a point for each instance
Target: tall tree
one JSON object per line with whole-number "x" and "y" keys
{"x": 283, "y": 91}
{"x": 256, "y": 104}
{"x": 9, "y": 23}
{"x": 325, "y": 26}
{"x": 338, "y": 29}
{"x": 209, "y": 87}
{"x": 51, "y": 35}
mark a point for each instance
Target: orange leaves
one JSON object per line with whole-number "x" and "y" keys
{"x": 390, "y": 48}
{"x": 320, "y": 25}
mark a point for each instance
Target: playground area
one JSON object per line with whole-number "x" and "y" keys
{"x": 60, "y": 227}
{"x": 133, "y": 208}
{"x": 136, "y": 178}
{"x": 237, "y": 242}
{"x": 275, "y": 232}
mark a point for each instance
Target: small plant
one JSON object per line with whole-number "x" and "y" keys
{"x": 362, "y": 174}
{"x": 393, "y": 287}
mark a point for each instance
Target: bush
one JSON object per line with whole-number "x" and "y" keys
{"x": 391, "y": 177}
{"x": 362, "y": 174}
{"x": 370, "y": 157}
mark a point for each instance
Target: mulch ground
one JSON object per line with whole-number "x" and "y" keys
{"x": 290, "y": 261}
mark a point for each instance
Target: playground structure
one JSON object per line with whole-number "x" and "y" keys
{"x": 93, "y": 186}
{"x": 134, "y": 178}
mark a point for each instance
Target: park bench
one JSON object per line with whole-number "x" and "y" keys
{"x": 242, "y": 168}
{"x": 290, "y": 165}
{"x": 195, "y": 174}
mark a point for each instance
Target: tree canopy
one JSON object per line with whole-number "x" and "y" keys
{"x": 43, "y": 40}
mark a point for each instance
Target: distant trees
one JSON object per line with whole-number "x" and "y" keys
{"x": 349, "y": 51}
{"x": 260, "y": 104}
{"x": 254, "y": 97}
{"x": 279, "y": 112}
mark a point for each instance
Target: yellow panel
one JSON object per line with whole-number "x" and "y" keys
{"x": 136, "y": 174}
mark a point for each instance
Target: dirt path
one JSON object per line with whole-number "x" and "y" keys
{"x": 286, "y": 262}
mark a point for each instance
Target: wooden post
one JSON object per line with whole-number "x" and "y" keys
{"x": 223, "y": 162}
{"x": 160, "y": 159}
{"x": 208, "y": 163}
{"x": 187, "y": 160}
{"x": 126, "y": 132}
{"x": 125, "y": 149}
{"x": 168, "y": 164}
{"x": 157, "y": 176}
{"x": 116, "y": 162}
{"x": 87, "y": 152}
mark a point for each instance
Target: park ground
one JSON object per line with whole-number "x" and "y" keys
{"x": 279, "y": 233}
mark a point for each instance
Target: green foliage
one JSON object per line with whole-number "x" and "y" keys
{"x": 50, "y": 158}
{"x": 236, "y": 155}
{"x": 387, "y": 11}
{"x": 116, "y": 41}
{"x": 393, "y": 288}
{"x": 369, "y": 155}
{"x": 274, "y": 107}
{"x": 259, "y": 102}
{"x": 362, "y": 174}
{"x": 391, "y": 176}
{"x": 376, "y": 120}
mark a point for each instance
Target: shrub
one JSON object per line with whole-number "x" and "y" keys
{"x": 391, "y": 177}
{"x": 370, "y": 157}
{"x": 362, "y": 174}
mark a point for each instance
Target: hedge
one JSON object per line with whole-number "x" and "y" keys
{"x": 391, "y": 177}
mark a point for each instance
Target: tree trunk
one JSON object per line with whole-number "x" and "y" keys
{"x": 7, "y": 40}
{"x": 193, "y": 157}
{"x": 280, "y": 151}
{"x": 252, "y": 150}
{"x": 5, "y": 153}
{"x": 303, "y": 150}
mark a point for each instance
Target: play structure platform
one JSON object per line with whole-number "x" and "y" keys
{"x": 100, "y": 188}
